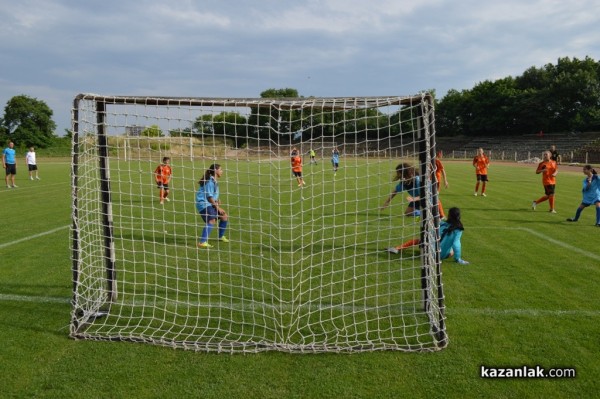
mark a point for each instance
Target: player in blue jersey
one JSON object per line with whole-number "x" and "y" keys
{"x": 208, "y": 205}
{"x": 335, "y": 159}
{"x": 9, "y": 162}
{"x": 411, "y": 183}
{"x": 450, "y": 234}
{"x": 591, "y": 193}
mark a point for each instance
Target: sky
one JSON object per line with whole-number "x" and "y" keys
{"x": 53, "y": 50}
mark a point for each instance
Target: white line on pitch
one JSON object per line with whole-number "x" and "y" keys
{"x": 250, "y": 307}
{"x": 45, "y": 233}
{"x": 549, "y": 239}
{"x": 29, "y": 298}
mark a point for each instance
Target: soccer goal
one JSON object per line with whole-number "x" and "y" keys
{"x": 305, "y": 268}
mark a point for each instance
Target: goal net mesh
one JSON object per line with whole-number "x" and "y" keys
{"x": 305, "y": 268}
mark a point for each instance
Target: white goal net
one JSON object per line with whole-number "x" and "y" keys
{"x": 305, "y": 266}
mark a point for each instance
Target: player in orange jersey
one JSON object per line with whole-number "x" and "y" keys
{"x": 162, "y": 176}
{"x": 481, "y": 163}
{"x": 440, "y": 173}
{"x": 296, "y": 161}
{"x": 548, "y": 169}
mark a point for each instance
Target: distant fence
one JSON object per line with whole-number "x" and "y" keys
{"x": 577, "y": 157}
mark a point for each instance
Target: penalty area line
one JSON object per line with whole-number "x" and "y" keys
{"x": 547, "y": 238}
{"x": 45, "y": 233}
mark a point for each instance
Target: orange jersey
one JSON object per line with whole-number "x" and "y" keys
{"x": 481, "y": 163}
{"x": 162, "y": 174}
{"x": 296, "y": 164}
{"x": 439, "y": 168}
{"x": 548, "y": 169}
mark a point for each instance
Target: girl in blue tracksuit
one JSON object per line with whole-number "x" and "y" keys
{"x": 209, "y": 207}
{"x": 450, "y": 234}
{"x": 590, "y": 192}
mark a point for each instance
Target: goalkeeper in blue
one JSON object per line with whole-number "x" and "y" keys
{"x": 591, "y": 193}
{"x": 410, "y": 182}
{"x": 335, "y": 159}
{"x": 208, "y": 205}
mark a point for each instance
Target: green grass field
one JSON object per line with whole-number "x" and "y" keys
{"x": 529, "y": 297}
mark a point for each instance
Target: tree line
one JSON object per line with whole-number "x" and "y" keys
{"x": 555, "y": 98}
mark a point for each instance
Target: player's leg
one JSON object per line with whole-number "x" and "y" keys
{"x": 580, "y": 208}
{"x": 209, "y": 215}
{"x": 222, "y": 227}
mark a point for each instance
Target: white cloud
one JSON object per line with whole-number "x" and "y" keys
{"x": 55, "y": 49}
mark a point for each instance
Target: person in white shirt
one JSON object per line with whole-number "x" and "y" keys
{"x": 31, "y": 164}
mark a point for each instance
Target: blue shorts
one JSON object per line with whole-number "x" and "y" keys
{"x": 209, "y": 213}
{"x": 415, "y": 204}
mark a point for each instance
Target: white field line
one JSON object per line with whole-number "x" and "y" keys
{"x": 45, "y": 233}
{"x": 252, "y": 307}
{"x": 547, "y": 238}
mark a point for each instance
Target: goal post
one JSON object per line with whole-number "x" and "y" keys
{"x": 306, "y": 267}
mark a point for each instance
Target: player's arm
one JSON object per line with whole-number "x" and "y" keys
{"x": 541, "y": 167}
{"x": 388, "y": 200}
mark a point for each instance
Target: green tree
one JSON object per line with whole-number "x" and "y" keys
{"x": 230, "y": 125}
{"x": 555, "y": 98}
{"x": 152, "y": 131}
{"x": 28, "y": 121}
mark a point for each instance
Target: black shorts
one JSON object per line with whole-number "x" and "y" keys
{"x": 482, "y": 178}
{"x": 298, "y": 174}
{"x": 11, "y": 169}
{"x": 32, "y": 167}
{"x": 549, "y": 189}
{"x": 164, "y": 186}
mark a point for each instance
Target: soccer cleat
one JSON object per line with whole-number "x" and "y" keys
{"x": 168, "y": 200}
{"x": 462, "y": 262}
{"x": 392, "y": 250}
{"x": 571, "y": 220}
{"x": 37, "y": 178}
{"x": 552, "y": 211}
{"x": 224, "y": 239}
{"x": 31, "y": 178}
{"x": 533, "y": 205}
{"x": 7, "y": 186}
{"x": 483, "y": 195}
{"x": 475, "y": 194}
{"x": 162, "y": 202}
{"x": 15, "y": 186}
{"x": 204, "y": 244}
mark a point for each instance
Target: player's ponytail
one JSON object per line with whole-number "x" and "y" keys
{"x": 209, "y": 172}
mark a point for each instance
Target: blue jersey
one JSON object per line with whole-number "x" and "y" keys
{"x": 9, "y": 155}
{"x": 450, "y": 241}
{"x": 591, "y": 191}
{"x": 413, "y": 187}
{"x": 208, "y": 190}
{"x": 335, "y": 157}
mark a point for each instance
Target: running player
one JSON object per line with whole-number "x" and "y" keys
{"x": 548, "y": 169}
